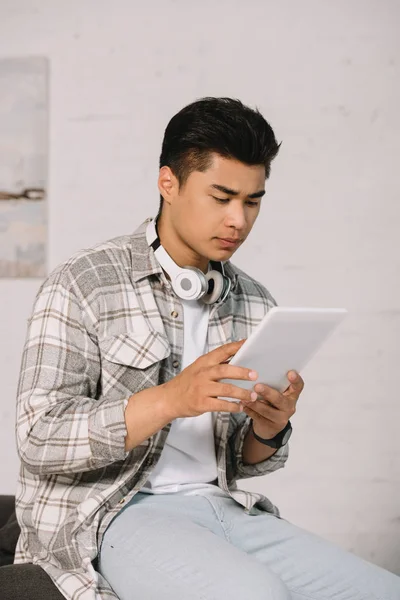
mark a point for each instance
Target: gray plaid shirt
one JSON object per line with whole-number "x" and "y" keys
{"x": 106, "y": 324}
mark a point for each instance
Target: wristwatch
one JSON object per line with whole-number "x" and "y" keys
{"x": 279, "y": 440}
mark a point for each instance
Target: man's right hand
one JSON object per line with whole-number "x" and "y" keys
{"x": 196, "y": 389}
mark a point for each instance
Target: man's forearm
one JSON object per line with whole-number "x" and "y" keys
{"x": 254, "y": 451}
{"x": 146, "y": 413}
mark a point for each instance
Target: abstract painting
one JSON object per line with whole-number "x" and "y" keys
{"x": 23, "y": 166}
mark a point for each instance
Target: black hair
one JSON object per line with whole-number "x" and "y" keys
{"x": 224, "y": 126}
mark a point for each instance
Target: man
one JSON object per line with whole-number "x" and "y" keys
{"x": 129, "y": 453}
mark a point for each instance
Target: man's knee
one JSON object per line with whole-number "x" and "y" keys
{"x": 261, "y": 586}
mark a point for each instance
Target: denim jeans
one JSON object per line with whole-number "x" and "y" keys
{"x": 205, "y": 546}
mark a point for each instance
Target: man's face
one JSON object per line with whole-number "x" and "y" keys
{"x": 206, "y": 218}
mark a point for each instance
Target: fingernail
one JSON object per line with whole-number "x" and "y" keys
{"x": 253, "y": 396}
{"x": 253, "y": 375}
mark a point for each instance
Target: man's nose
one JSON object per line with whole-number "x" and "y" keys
{"x": 236, "y": 218}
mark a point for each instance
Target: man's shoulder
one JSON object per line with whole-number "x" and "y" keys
{"x": 104, "y": 262}
{"x": 248, "y": 286}
{"x": 102, "y": 258}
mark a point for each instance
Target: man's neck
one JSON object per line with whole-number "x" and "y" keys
{"x": 176, "y": 248}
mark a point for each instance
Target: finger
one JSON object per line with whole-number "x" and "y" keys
{"x": 223, "y": 353}
{"x": 226, "y": 406}
{"x": 275, "y": 415}
{"x": 271, "y": 420}
{"x": 226, "y": 371}
{"x": 278, "y": 401}
{"x": 277, "y": 419}
{"x": 270, "y": 395}
{"x": 263, "y": 410}
{"x": 296, "y": 384}
{"x": 229, "y": 390}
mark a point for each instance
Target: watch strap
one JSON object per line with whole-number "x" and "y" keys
{"x": 275, "y": 442}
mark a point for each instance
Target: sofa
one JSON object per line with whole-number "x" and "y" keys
{"x": 23, "y": 581}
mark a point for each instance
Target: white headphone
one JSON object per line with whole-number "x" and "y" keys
{"x": 190, "y": 283}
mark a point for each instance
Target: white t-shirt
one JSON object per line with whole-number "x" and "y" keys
{"x": 188, "y": 459}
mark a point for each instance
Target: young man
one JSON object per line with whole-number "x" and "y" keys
{"x": 129, "y": 454}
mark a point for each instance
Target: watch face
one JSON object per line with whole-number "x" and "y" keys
{"x": 286, "y": 437}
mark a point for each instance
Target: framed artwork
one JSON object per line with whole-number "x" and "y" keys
{"x": 23, "y": 166}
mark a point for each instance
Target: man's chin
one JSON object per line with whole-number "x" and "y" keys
{"x": 216, "y": 253}
{"x": 222, "y": 254}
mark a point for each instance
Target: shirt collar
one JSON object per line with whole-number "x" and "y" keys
{"x": 144, "y": 263}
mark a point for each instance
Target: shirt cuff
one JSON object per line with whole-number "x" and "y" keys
{"x": 269, "y": 465}
{"x": 107, "y": 431}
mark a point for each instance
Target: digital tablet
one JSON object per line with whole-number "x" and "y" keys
{"x": 285, "y": 340}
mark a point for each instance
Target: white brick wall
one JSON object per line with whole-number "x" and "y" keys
{"x": 326, "y": 74}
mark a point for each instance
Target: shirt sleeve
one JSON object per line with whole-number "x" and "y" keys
{"x": 242, "y": 471}
{"x": 63, "y": 424}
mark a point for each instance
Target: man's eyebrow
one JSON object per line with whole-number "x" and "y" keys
{"x": 225, "y": 190}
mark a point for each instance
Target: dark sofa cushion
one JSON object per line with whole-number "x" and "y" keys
{"x": 27, "y": 582}
{"x": 9, "y": 535}
{"x": 7, "y": 506}
{"x": 9, "y": 530}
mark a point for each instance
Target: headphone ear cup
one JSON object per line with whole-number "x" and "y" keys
{"x": 215, "y": 282}
{"x": 190, "y": 283}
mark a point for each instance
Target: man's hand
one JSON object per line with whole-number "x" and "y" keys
{"x": 272, "y": 410}
{"x": 197, "y": 388}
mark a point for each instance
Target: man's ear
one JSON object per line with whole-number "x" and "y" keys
{"x": 167, "y": 184}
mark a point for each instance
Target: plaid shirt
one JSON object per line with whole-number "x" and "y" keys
{"x": 103, "y": 327}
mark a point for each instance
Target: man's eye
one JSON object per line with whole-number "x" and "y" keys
{"x": 222, "y": 200}
{"x": 225, "y": 200}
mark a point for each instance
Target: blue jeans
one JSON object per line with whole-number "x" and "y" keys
{"x": 204, "y": 546}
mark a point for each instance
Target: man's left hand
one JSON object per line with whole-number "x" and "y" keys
{"x": 272, "y": 409}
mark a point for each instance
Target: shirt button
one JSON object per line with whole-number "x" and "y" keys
{"x": 174, "y": 314}
{"x": 175, "y": 364}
